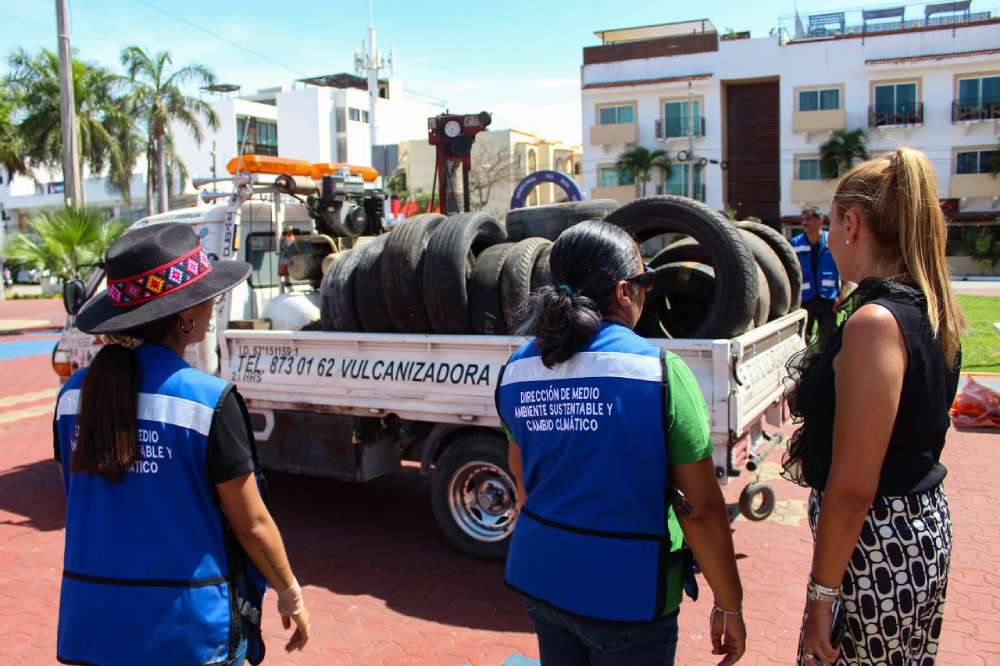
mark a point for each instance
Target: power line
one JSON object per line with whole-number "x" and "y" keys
{"x": 222, "y": 38}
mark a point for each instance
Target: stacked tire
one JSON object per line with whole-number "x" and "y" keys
{"x": 470, "y": 273}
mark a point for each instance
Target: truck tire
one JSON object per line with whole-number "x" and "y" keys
{"x": 485, "y": 302}
{"x": 515, "y": 279}
{"x": 750, "y": 507}
{"x": 785, "y": 252}
{"x": 763, "y": 311}
{"x": 338, "y": 307}
{"x": 401, "y": 270}
{"x": 473, "y": 495}
{"x": 679, "y": 302}
{"x": 550, "y": 220}
{"x": 448, "y": 264}
{"x": 734, "y": 303}
{"x": 541, "y": 274}
{"x": 685, "y": 249}
{"x": 368, "y": 291}
{"x": 777, "y": 280}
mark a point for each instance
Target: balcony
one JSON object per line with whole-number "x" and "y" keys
{"x": 806, "y": 122}
{"x": 680, "y": 128}
{"x": 621, "y": 133}
{"x": 973, "y": 185}
{"x": 975, "y": 110}
{"x": 893, "y": 115}
{"x": 681, "y": 191}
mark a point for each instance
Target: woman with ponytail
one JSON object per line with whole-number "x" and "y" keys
{"x": 873, "y": 410}
{"x": 169, "y": 545}
{"x": 610, "y": 449}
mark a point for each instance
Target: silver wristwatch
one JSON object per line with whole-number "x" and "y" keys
{"x": 817, "y": 592}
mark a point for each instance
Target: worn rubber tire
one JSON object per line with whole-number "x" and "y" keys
{"x": 448, "y": 264}
{"x": 763, "y": 311}
{"x": 550, "y": 220}
{"x": 734, "y": 304}
{"x": 679, "y": 302}
{"x": 338, "y": 306}
{"x": 515, "y": 279}
{"x": 785, "y": 252}
{"x": 485, "y": 301}
{"x": 471, "y": 447}
{"x": 777, "y": 280}
{"x": 541, "y": 274}
{"x": 767, "y": 501}
{"x": 401, "y": 271}
{"x": 368, "y": 291}
{"x": 685, "y": 249}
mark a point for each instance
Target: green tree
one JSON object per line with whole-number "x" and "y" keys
{"x": 660, "y": 160}
{"x": 640, "y": 161}
{"x": 840, "y": 151}
{"x": 157, "y": 97}
{"x": 11, "y": 146}
{"x": 34, "y": 82}
{"x": 64, "y": 240}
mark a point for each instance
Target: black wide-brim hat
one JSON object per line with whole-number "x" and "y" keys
{"x": 154, "y": 272}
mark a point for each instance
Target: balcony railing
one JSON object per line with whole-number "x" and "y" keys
{"x": 963, "y": 110}
{"x": 680, "y": 128}
{"x": 907, "y": 113}
{"x": 881, "y": 19}
{"x": 681, "y": 191}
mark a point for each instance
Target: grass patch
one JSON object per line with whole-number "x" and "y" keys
{"x": 981, "y": 342}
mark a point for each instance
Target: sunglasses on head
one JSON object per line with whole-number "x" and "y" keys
{"x": 645, "y": 279}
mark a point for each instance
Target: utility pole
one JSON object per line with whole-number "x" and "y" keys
{"x": 72, "y": 190}
{"x": 369, "y": 62}
{"x": 689, "y": 190}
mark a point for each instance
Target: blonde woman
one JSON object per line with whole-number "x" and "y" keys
{"x": 874, "y": 414}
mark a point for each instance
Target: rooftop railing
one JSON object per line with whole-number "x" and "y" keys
{"x": 881, "y": 19}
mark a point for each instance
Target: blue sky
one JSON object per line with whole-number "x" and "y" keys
{"x": 519, "y": 59}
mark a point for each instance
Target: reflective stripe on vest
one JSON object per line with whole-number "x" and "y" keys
{"x": 829, "y": 277}
{"x": 592, "y": 538}
{"x": 146, "y": 576}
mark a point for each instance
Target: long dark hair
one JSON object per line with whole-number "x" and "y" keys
{"x": 588, "y": 260}
{"x": 108, "y": 421}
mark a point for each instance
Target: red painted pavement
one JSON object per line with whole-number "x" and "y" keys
{"x": 384, "y": 588}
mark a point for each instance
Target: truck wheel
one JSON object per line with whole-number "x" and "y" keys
{"x": 785, "y": 252}
{"x": 774, "y": 273}
{"x": 401, "y": 271}
{"x": 485, "y": 302}
{"x": 763, "y": 299}
{"x": 732, "y": 309}
{"x": 757, "y": 501}
{"x": 338, "y": 307}
{"x": 550, "y": 220}
{"x": 474, "y": 497}
{"x": 515, "y": 280}
{"x": 448, "y": 264}
{"x": 368, "y": 291}
{"x": 541, "y": 274}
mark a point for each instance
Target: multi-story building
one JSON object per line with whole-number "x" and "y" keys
{"x": 743, "y": 119}
{"x": 500, "y": 159}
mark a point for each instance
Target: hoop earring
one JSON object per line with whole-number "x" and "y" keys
{"x": 187, "y": 331}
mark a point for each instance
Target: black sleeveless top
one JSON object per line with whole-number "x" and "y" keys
{"x": 911, "y": 462}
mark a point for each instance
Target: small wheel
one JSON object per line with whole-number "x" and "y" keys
{"x": 757, "y": 501}
{"x": 474, "y": 497}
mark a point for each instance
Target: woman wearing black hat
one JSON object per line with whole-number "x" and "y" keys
{"x": 168, "y": 540}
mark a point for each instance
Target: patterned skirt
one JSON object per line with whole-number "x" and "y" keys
{"x": 896, "y": 581}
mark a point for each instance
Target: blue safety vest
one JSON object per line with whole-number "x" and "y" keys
{"x": 151, "y": 572}
{"x": 826, "y": 272}
{"x": 592, "y": 538}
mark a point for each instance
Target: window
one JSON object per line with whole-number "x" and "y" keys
{"x": 616, "y": 115}
{"x": 257, "y": 136}
{"x": 809, "y": 169}
{"x": 263, "y": 259}
{"x": 57, "y": 187}
{"x": 979, "y": 92}
{"x": 679, "y": 181}
{"x": 827, "y": 99}
{"x": 682, "y": 119}
{"x": 896, "y": 104}
{"x": 614, "y": 177}
{"x": 357, "y": 115}
{"x": 976, "y": 161}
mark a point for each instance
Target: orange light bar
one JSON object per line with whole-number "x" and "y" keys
{"x": 269, "y": 164}
{"x": 283, "y": 165}
{"x": 321, "y": 169}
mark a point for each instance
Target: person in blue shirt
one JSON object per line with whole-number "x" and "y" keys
{"x": 610, "y": 450}
{"x": 820, "y": 278}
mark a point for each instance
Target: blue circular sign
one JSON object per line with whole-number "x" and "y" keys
{"x": 532, "y": 180}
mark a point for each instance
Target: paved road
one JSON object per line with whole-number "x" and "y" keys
{"x": 384, "y": 587}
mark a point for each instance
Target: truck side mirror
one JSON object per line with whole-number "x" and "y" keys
{"x": 74, "y": 295}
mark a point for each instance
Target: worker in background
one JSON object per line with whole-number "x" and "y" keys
{"x": 820, "y": 279}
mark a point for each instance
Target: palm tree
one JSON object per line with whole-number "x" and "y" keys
{"x": 660, "y": 160}
{"x": 640, "y": 161}
{"x": 34, "y": 81}
{"x": 837, "y": 155}
{"x": 64, "y": 240}
{"x": 11, "y": 147}
{"x": 157, "y": 95}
